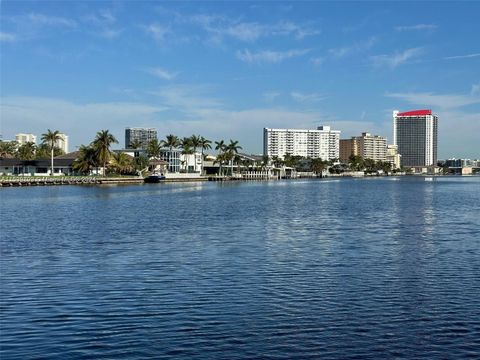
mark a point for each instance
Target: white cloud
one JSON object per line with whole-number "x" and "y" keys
{"x": 467, "y": 56}
{"x": 306, "y": 98}
{"x": 475, "y": 89}
{"x": 317, "y": 61}
{"x": 79, "y": 121}
{"x": 396, "y": 59}
{"x": 268, "y": 56}
{"x": 450, "y": 101}
{"x": 352, "y": 49}
{"x": 270, "y": 96}
{"x": 418, "y": 27}
{"x": 188, "y": 99}
{"x": 162, "y": 73}
{"x": 157, "y": 31}
{"x": 110, "y": 33}
{"x": 220, "y": 26}
{"x": 7, "y": 37}
{"x": 47, "y": 20}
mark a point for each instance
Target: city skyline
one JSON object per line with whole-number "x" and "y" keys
{"x": 229, "y": 70}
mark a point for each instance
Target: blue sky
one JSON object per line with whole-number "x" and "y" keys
{"x": 227, "y": 69}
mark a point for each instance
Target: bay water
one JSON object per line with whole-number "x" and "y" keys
{"x": 308, "y": 269}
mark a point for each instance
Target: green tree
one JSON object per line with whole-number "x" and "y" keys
{"x": 187, "y": 149}
{"x": 122, "y": 163}
{"x": 86, "y": 160}
{"x": 43, "y": 152}
{"x": 356, "y": 162}
{"x": 204, "y": 145}
{"x": 140, "y": 163}
{"x": 26, "y": 151}
{"x": 135, "y": 144}
{"x": 171, "y": 141}
{"x": 232, "y": 149}
{"x": 8, "y": 148}
{"x": 154, "y": 149}
{"x": 49, "y": 139}
{"x": 101, "y": 144}
{"x": 317, "y": 165}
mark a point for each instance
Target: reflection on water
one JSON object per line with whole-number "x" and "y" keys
{"x": 330, "y": 269}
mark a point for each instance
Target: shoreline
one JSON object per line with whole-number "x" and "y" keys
{"x": 57, "y": 181}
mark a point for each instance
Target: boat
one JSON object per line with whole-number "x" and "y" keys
{"x": 154, "y": 178}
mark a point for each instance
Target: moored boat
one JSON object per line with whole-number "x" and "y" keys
{"x": 154, "y": 178}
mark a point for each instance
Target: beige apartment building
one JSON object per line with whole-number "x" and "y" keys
{"x": 367, "y": 146}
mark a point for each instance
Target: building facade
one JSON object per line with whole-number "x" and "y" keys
{"x": 24, "y": 138}
{"x": 62, "y": 143}
{"x": 393, "y": 157}
{"x": 367, "y": 146}
{"x": 141, "y": 135}
{"x": 416, "y": 133}
{"x": 320, "y": 143}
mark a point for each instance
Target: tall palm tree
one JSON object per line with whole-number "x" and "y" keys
{"x": 220, "y": 159}
{"x": 171, "y": 141}
{"x": 102, "y": 144}
{"x": 204, "y": 145}
{"x": 220, "y": 146}
{"x": 154, "y": 149}
{"x": 232, "y": 150}
{"x": 27, "y": 151}
{"x": 50, "y": 138}
{"x": 195, "y": 142}
{"x": 187, "y": 149}
{"x": 86, "y": 161}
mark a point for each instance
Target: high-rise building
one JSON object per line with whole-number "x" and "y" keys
{"x": 415, "y": 133}
{"x": 142, "y": 136}
{"x": 321, "y": 143}
{"x": 367, "y": 146}
{"x": 24, "y": 138}
{"x": 62, "y": 143}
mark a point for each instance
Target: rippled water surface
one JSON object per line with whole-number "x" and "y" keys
{"x": 330, "y": 269}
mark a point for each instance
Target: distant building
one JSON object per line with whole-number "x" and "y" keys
{"x": 416, "y": 133}
{"x": 367, "y": 146}
{"x": 348, "y": 147}
{"x": 141, "y": 135}
{"x": 24, "y": 138}
{"x": 62, "y": 143}
{"x": 393, "y": 157}
{"x": 320, "y": 143}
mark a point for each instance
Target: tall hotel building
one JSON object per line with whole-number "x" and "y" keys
{"x": 141, "y": 135}
{"x": 321, "y": 143}
{"x": 415, "y": 133}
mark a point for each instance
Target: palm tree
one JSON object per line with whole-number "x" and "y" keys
{"x": 102, "y": 144}
{"x": 195, "y": 142}
{"x": 122, "y": 163}
{"x": 232, "y": 150}
{"x": 86, "y": 161}
{"x": 7, "y": 148}
{"x": 50, "y": 138}
{"x": 221, "y": 158}
{"x": 171, "y": 141}
{"x": 204, "y": 145}
{"x": 135, "y": 144}
{"x": 187, "y": 149}
{"x": 26, "y": 151}
{"x": 220, "y": 146}
{"x": 154, "y": 149}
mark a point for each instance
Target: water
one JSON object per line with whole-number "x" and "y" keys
{"x": 330, "y": 269}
